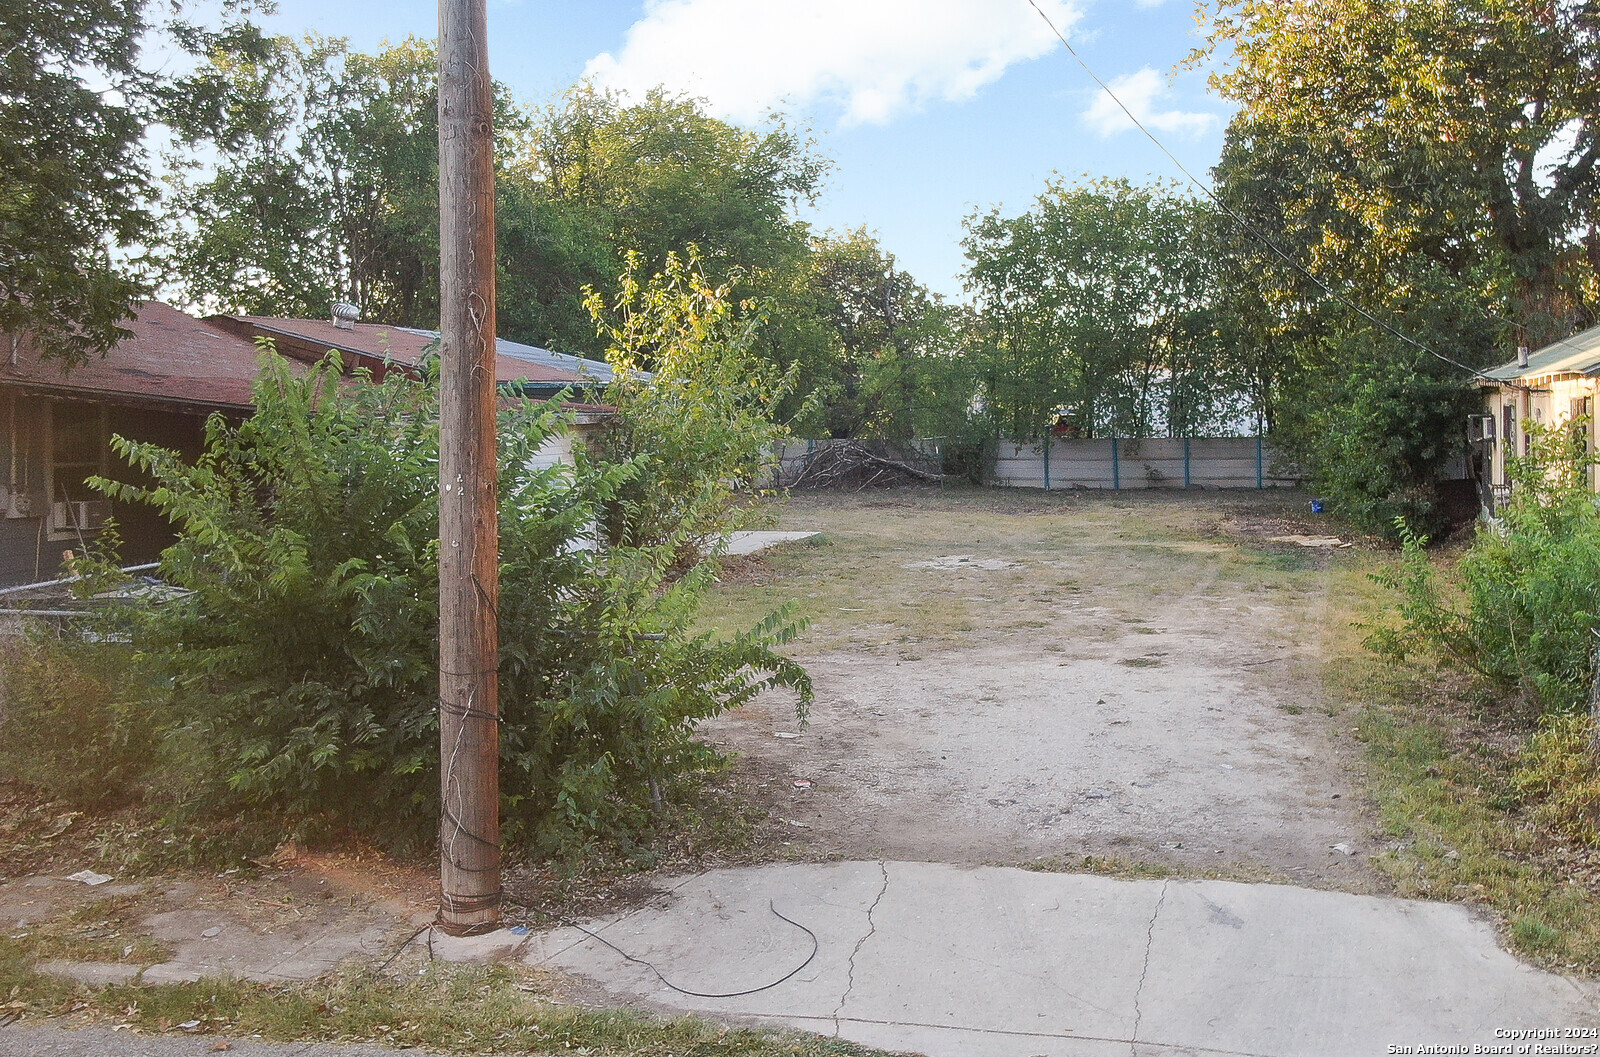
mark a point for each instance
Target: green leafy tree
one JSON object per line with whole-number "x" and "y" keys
{"x": 700, "y": 427}
{"x": 611, "y": 178}
{"x": 897, "y": 373}
{"x": 1456, "y": 128}
{"x": 327, "y": 187}
{"x": 1373, "y": 418}
{"x": 74, "y": 181}
{"x": 1100, "y": 302}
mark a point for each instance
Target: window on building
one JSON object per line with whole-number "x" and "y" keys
{"x": 77, "y": 452}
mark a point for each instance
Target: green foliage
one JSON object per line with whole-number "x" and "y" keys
{"x": 1525, "y": 601}
{"x": 592, "y": 180}
{"x": 73, "y": 178}
{"x": 1099, "y": 303}
{"x": 299, "y": 673}
{"x": 699, "y": 429}
{"x": 327, "y": 187}
{"x": 896, "y": 369}
{"x": 68, "y": 724}
{"x": 1374, "y": 420}
{"x": 1453, "y": 128}
{"x": 1433, "y": 162}
{"x": 1375, "y": 437}
{"x": 1558, "y": 773}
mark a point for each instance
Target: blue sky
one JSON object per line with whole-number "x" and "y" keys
{"x": 928, "y": 109}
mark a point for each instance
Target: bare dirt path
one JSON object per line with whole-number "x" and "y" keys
{"x": 1010, "y": 677}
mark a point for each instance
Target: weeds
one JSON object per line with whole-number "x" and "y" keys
{"x": 1442, "y": 764}
{"x": 449, "y": 1008}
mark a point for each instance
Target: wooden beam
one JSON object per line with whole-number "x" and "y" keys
{"x": 469, "y": 555}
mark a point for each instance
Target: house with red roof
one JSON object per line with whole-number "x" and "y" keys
{"x": 160, "y": 384}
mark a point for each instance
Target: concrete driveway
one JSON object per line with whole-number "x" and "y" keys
{"x": 999, "y": 962}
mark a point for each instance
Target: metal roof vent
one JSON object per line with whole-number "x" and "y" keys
{"x": 345, "y": 315}
{"x": 1522, "y": 353}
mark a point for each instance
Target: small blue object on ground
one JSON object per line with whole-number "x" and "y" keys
{"x": 1316, "y": 506}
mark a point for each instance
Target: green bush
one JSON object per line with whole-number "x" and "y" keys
{"x": 301, "y": 667}
{"x": 698, "y": 427}
{"x": 1523, "y": 605}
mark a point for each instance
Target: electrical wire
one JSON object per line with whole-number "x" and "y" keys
{"x": 815, "y": 946}
{"x": 397, "y": 951}
{"x": 1250, "y": 229}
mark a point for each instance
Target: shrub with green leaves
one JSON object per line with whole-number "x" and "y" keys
{"x": 301, "y": 666}
{"x": 695, "y": 404}
{"x": 1524, "y": 601}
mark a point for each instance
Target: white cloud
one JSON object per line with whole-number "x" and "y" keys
{"x": 872, "y": 58}
{"x": 1139, "y": 91}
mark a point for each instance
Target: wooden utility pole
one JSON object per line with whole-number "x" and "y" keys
{"x": 469, "y": 543}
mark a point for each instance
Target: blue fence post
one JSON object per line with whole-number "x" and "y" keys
{"x": 1046, "y": 446}
{"x": 1186, "y": 462}
{"x": 1116, "y": 466}
{"x": 1260, "y": 483}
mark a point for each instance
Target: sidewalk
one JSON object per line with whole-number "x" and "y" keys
{"x": 994, "y": 962}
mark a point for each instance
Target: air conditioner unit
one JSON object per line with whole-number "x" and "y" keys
{"x": 81, "y": 515}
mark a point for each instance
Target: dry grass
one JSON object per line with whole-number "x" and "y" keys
{"x": 446, "y": 1008}
{"x": 860, "y": 584}
{"x": 1441, "y": 754}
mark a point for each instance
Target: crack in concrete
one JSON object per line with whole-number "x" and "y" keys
{"x": 872, "y": 927}
{"x": 1138, "y": 993}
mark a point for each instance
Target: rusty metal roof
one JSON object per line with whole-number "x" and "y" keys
{"x": 171, "y": 360}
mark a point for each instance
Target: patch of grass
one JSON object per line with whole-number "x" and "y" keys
{"x": 1138, "y": 870}
{"x": 857, "y": 590}
{"x": 448, "y": 1008}
{"x": 1283, "y": 560}
{"x": 1142, "y": 662}
{"x": 1441, "y": 771}
{"x": 106, "y": 930}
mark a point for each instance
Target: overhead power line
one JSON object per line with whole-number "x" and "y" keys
{"x": 1249, "y": 228}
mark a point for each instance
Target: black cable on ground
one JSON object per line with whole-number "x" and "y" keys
{"x": 396, "y": 953}
{"x": 815, "y": 946}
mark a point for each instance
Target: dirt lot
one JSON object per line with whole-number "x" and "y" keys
{"x": 1020, "y": 676}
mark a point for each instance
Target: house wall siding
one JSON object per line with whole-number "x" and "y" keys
{"x": 29, "y": 551}
{"x": 1549, "y": 403}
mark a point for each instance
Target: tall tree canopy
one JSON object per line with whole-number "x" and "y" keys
{"x": 327, "y": 183}
{"x": 74, "y": 184}
{"x": 895, "y": 369}
{"x": 1433, "y": 161}
{"x": 595, "y": 178}
{"x": 327, "y": 189}
{"x": 1100, "y": 302}
{"x": 1456, "y": 128}
{"x": 77, "y": 195}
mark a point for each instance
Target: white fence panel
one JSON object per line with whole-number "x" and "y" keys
{"x": 1156, "y": 462}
